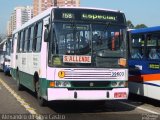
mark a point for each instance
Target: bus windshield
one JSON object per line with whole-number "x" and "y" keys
{"x": 103, "y": 44}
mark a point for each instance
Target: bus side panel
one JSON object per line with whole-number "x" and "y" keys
{"x": 1, "y": 61}
{"x": 44, "y": 83}
{"x": 13, "y": 73}
{"x": 138, "y": 88}
{"x": 153, "y": 89}
{"x": 13, "y": 56}
{"x": 148, "y": 89}
{"x": 30, "y": 63}
{"x": 144, "y": 78}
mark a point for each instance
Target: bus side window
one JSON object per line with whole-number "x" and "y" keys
{"x": 30, "y": 44}
{"x": 23, "y": 40}
{"x": 26, "y": 40}
{"x": 18, "y": 41}
{"x": 37, "y": 37}
{"x": 12, "y": 43}
{"x": 135, "y": 54}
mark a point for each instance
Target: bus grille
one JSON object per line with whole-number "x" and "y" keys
{"x": 91, "y": 74}
{"x": 90, "y": 84}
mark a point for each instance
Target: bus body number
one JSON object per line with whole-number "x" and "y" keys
{"x": 117, "y": 74}
{"x": 68, "y": 15}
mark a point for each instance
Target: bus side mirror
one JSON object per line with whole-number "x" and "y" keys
{"x": 46, "y": 35}
{"x": 47, "y": 29}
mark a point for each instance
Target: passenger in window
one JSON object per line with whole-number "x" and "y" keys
{"x": 136, "y": 54}
{"x": 158, "y": 52}
{"x": 153, "y": 54}
{"x": 95, "y": 38}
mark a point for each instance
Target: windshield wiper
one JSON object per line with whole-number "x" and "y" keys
{"x": 106, "y": 53}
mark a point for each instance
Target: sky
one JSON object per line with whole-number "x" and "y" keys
{"x": 138, "y": 11}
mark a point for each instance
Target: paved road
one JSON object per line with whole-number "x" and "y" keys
{"x": 25, "y": 102}
{"x": 8, "y": 104}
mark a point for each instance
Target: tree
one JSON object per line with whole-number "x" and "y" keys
{"x": 140, "y": 26}
{"x": 130, "y": 25}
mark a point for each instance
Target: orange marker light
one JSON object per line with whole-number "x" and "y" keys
{"x": 52, "y": 84}
{"x": 122, "y": 62}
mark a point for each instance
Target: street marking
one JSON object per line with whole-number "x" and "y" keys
{"x": 22, "y": 101}
{"x": 141, "y": 108}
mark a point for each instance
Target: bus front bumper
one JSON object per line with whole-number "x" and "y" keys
{"x": 65, "y": 94}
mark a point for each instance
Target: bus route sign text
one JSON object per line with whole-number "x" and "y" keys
{"x": 98, "y": 17}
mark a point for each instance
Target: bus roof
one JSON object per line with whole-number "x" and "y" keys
{"x": 92, "y": 8}
{"x": 3, "y": 41}
{"x": 34, "y": 19}
{"x": 145, "y": 30}
{"x": 48, "y": 11}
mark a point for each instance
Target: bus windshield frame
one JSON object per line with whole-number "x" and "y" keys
{"x": 87, "y": 38}
{"x": 100, "y": 43}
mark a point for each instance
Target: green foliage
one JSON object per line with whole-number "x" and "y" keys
{"x": 140, "y": 26}
{"x": 131, "y": 26}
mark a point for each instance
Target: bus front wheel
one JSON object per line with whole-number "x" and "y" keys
{"x": 41, "y": 101}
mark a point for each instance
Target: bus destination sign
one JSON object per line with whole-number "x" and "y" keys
{"x": 86, "y": 16}
{"x": 89, "y": 15}
{"x": 76, "y": 59}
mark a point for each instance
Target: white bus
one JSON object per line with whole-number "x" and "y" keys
{"x": 72, "y": 54}
{"x": 5, "y": 55}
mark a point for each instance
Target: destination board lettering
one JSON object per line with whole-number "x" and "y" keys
{"x": 68, "y": 15}
{"x": 98, "y": 17}
{"x": 90, "y": 16}
{"x": 76, "y": 59}
{"x": 154, "y": 66}
{"x": 78, "y": 27}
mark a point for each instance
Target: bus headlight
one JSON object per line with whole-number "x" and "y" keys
{"x": 119, "y": 84}
{"x": 122, "y": 84}
{"x": 114, "y": 84}
{"x": 66, "y": 84}
{"x": 62, "y": 84}
{"x": 58, "y": 84}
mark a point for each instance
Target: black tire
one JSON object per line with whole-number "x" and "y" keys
{"x": 6, "y": 73}
{"x": 41, "y": 101}
{"x": 19, "y": 86}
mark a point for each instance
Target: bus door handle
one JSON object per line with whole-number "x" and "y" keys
{"x": 16, "y": 57}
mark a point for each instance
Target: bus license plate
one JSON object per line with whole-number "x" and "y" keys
{"x": 120, "y": 95}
